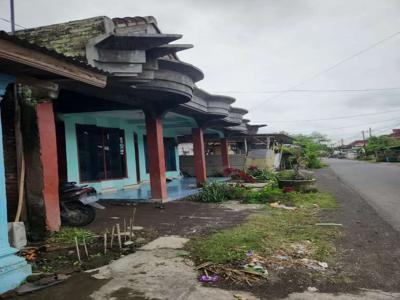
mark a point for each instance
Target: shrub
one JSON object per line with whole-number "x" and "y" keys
{"x": 239, "y": 175}
{"x": 219, "y": 192}
{"x": 260, "y": 175}
{"x": 270, "y": 193}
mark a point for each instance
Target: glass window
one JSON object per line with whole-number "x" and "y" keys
{"x": 101, "y": 153}
{"x": 169, "y": 150}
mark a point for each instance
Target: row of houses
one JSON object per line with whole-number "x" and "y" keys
{"x": 100, "y": 102}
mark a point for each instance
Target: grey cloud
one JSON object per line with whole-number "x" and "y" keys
{"x": 262, "y": 45}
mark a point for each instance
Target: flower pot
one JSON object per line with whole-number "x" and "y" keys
{"x": 304, "y": 186}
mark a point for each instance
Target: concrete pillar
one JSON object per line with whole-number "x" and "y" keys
{"x": 13, "y": 269}
{"x": 199, "y": 156}
{"x": 225, "y": 153}
{"x": 48, "y": 157}
{"x": 155, "y": 148}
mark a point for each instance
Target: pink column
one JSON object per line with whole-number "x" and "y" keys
{"x": 199, "y": 156}
{"x": 48, "y": 157}
{"x": 225, "y": 153}
{"x": 155, "y": 148}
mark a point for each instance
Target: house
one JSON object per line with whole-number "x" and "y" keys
{"x": 40, "y": 68}
{"x": 355, "y": 145}
{"x": 121, "y": 137}
{"x": 395, "y": 134}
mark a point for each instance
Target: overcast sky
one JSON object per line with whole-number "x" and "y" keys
{"x": 250, "y": 49}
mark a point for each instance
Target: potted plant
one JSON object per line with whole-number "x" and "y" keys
{"x": 298, "y": 178}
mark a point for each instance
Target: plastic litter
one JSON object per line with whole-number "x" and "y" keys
{"x": 257, "y": 268}
{"x": 250, "y": 253}
{"x": 282, "y": 257}
{"x": 312, "y": 289}
{"x": 328, "y": 224}
{"x": 277, "y": 205}
{"x": 209, "y": 278}
{"x": 314, "y": 264}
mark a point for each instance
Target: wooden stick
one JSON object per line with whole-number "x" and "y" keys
{"x": 119, "y": 236}
{"x": 112, "y": 236}
{"x": 84, "y": 246}
{"x": 105, "y": 243}
{"x": 130, "y": 229}
{"x": 133, "y": 214}
{"x": 125, "y": 237}
{"x": 77, "y": 250}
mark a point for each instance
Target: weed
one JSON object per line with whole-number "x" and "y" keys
{"x": 67, "y": 236}
{"x": 271, "y": 231}
{"x": 218, "y": 192}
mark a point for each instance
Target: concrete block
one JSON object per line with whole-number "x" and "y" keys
{"x": 17, "y": 234}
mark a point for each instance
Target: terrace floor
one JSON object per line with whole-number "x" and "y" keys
{"x": 177, "y": 189}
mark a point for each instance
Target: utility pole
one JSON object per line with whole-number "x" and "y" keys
{"x": 370, "y": 132}
{"x": 12, "y": 13}
{"x": 365, "y": 147}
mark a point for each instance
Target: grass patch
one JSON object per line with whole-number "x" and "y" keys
{"x": 271, "y": 231}
{"x": 67, "y": 236}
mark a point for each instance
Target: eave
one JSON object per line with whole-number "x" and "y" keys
{"x": 37, "y": 60}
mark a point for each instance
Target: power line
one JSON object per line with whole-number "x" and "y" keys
{"x": 309, "y": 91}
{"x": 365, "y": 124}
{"x": 377, "y": 130}
{"x": 342, "y": 61}
{"x": 337, "y": 118}
{"x": 8, "y": 21}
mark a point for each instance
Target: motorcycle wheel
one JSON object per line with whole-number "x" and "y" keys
{"x": 79, "y": 214}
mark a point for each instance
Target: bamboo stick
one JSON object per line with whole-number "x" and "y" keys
{"x": 119, "y": 236}
{"x": 77, "y": 250}
{"x": 130, "y": 229}
{"x": 85, "y": 247}
{"x": 105, "y": 243}
{"x": 125, "y": 237}
{"x": 112, "y": 236}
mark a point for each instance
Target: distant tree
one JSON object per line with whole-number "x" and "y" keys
{"x": 312, "y": 147}
{"x": 380, "y": 143}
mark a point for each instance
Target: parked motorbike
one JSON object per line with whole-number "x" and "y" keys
{"x": 77, "y": 204}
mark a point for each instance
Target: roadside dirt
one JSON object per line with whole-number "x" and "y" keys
{"x": 370, "y": 248}
{"x": 184, "y": 218}
{"x": 368, "y": 252}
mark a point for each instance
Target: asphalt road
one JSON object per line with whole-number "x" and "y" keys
{"x": 377, "y": 183}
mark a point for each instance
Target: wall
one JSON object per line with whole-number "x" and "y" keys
{"x": 10, "y": 157}
{"x": 71, "y": 120}
{"x": 13, "y": 269}
{"x": 213, "y": 163}
{"x": 262, "y": 158}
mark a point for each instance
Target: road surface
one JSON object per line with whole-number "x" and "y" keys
{"x": 377, "y": 183}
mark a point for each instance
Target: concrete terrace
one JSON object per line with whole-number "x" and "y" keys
{"x": 177, "y": 189}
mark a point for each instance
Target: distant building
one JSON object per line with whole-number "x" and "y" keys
{"x": 395, "y": 134}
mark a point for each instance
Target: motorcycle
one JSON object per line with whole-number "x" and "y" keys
{"x": 77, "y": 204}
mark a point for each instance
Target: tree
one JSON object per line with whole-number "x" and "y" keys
{"x": 312, "y": 147}
{"x": 380, "y": 143}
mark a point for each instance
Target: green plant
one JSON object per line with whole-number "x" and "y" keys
{"x": 219, "y": 192}
{"x": 269, "y": 232}
{"x": 260, "y": 175}
{"x": 309, "y": 150}
{"x": 67, "y": 235}
{"x": 214, "y": 192}
{"x": 269, "y": 193}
